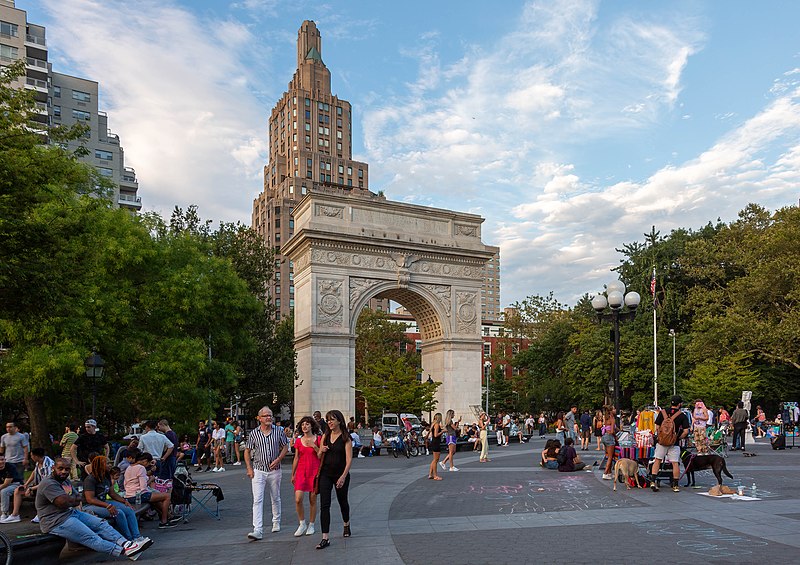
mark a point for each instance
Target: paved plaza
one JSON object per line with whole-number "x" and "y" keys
{"x": 507, "y": 511}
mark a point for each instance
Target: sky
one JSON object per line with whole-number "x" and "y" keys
{"x": 572, "y": 127}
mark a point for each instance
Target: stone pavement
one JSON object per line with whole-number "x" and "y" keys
{"x": 508, "y": 511}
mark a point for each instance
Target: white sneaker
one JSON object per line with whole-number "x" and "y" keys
{"x": 301, "y": 529}
{"x": 607, "y": 477}
{"x": 132, "y": 549}
{"x": 442, "y": 465}
{"x": 256, "y": 535}
{"x": 237, "y": 463}
{"x": 310, "y": 531}
{"x": 454, "y": 468}
{"x": 276, "y": 527}
{"x": 12, "y": 519}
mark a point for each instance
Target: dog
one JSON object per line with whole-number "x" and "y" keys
{"x": 627, "y": 468}
{"x": 693, "y": 462}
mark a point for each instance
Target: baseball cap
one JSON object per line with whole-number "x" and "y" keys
{"x": 675, "y": 400}
{"x": 91, "y": 422}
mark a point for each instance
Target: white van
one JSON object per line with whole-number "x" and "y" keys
{"x": 391, "y": 424}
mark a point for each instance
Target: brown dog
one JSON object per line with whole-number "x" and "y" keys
{"x": 627, "y": 468}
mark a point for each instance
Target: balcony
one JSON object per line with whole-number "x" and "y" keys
{"x": 129, "y": 201}
{"x": 35, "y": 40}
{"x": 37, "y": 85}
{"x": 36, "y": 64}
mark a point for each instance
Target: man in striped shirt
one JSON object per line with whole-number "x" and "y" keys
{"x": 265, "y": 448}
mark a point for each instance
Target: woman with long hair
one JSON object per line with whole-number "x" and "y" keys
{"x": 609, "y": 437}
{"x": 337, "y": 455}
{"x": 451, "y": 427}
{"x": 305, "y": 465}
{"x": 483, "y": 426}
{"x": 101, "y": 500}
{"x": 435, "y": 445}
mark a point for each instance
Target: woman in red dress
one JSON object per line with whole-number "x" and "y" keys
{"x": 304, "y": 469}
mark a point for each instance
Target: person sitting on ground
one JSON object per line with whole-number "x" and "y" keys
{"x": 55, "y": 505}
{"x": 101, "y": 500}
{"x": 136, "y": 483}
{"x": 43, "y": 468}
{"x": 572, "y": 461}
{"x": 550, "y": 454}
{"x": 9, "y": 481}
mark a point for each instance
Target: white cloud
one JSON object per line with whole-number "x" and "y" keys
{"x": 176, "y": 94}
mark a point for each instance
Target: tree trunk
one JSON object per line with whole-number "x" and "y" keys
{"x": 38, "y": 420}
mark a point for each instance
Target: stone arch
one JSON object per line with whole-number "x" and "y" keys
{"x": 427, "y": 308}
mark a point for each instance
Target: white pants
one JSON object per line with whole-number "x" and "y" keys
{"x": 262, "y": 480}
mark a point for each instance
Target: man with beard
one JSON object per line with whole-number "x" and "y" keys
{"x": 55, "y": 506}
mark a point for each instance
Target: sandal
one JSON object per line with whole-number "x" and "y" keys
{"x": 323, "y": 544}
{"x": 346, "y": 533}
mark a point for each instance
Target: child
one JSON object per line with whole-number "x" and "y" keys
{"x": 136, "y": 481}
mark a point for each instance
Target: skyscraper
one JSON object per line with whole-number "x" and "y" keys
{"x": 310, "y": 149}
{"x": 64, "y": 99}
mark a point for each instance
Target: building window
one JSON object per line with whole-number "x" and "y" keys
{"x": 81, "y": 115}
{"x": 105, "y": 171}
{"x": 104, "y": 155}
{"x": 8, "y": 53}
{"x": 81, "y": 96}
{"x": 8, "y": 29}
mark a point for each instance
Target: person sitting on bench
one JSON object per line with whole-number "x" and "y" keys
{"x": 55, "y": 504}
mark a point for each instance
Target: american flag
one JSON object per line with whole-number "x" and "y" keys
{"x": 653, "y": 284}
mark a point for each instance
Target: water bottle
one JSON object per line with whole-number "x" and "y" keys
{"x": 139, "y": 496}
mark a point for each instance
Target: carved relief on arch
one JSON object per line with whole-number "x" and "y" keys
{"x": 358, "y": 286}
{"x": 442, "y": 293}
{"x": 466, "y": 311}
{"x": 329, "y": 303}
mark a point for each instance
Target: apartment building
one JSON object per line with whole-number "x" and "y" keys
{"x": 64, "y": 100}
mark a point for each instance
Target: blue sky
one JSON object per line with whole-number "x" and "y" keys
{"x": 572, "y": 127}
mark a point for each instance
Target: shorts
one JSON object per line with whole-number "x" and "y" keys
{"x": 452, "y": 440}
{"x": 671, "y": 454}
{"x": 608, "y": 440}
{"x": 145, "y": 498}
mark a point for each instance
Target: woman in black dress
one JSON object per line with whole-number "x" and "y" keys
{"x": 334, "y": 472}
{"x": 436, "y": 444}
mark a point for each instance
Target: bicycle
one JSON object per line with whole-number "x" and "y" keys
{"x": 5, "y": 547}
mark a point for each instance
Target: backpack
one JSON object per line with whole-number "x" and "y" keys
{"x": 666, "y": 431}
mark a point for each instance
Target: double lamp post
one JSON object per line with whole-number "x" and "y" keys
{"x": 615, "y": 306}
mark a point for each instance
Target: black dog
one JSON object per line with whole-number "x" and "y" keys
{"x": 693, "y": 462}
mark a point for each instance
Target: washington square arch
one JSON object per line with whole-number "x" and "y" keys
{"x": 348, "y": 250}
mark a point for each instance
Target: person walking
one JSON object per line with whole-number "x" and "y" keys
{"x": 337, "y": 455}
{"x": 451, "y": 427}
{"x": 305, "y": 466}
{"x": 483, "y": 424}
{"x": 435, "y": 446}
{"x": 265, "y": 449}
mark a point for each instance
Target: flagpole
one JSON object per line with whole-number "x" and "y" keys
{"x": 655, "y": 342}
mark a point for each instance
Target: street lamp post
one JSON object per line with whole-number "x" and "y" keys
{"x": 616, "y": 299}
{"x": 94, "y": 371}
{"x": 674, "y": 387}
{"x": 430, "y": 405}
{"x": 487, "y": 369}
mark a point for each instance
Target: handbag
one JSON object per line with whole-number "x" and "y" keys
{"x": 315, "y": 489}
